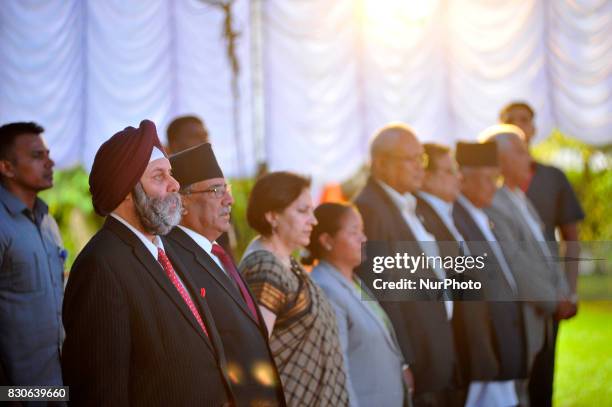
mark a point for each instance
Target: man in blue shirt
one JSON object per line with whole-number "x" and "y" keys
{"x": 31, "y": 262}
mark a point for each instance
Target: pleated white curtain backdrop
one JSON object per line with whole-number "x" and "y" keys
{"x": 86, "y": 69}
{"x": 333, "y": 71}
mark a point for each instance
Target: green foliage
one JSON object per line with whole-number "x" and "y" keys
{"x": 70, "y": 203}
{"x": 242, "y": 233}
{"x": 592, "y": 183}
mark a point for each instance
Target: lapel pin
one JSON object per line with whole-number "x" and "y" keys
{"x": 203, "y": 292}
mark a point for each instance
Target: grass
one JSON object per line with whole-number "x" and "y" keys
{"x": 583, "y": 368}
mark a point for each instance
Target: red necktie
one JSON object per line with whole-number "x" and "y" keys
{"x": 228, "y": 265}
{"x": 165, "y": 262}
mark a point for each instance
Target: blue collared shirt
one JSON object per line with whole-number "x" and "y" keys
{"x": 31, "y": 291}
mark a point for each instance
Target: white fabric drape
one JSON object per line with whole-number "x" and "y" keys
{"x": 580, "y": 44}
{"x": 313, "y": 110}
{"x": 41, "y": 71}
{"x": 333, "y": 72}
{"x": 87, "y": 69}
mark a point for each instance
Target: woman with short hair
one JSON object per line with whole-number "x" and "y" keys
{"x": 301, "y": 322}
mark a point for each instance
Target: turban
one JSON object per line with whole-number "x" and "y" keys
{"x": 476, "y": 154}
{"x": 194, "y": 165}
{"x": 120, "y": 163}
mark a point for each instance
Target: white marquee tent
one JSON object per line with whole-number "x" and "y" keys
{"x": 316, "y": 77}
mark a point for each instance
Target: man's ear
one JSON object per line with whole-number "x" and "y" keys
{"x": 378, "y": 167}
{"x": 326, "y": 241}
{"x": 7, "y": 170}
{"x": 185, "y": 201}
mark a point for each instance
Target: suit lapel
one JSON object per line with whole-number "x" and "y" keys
{"x": 210, "y": 267}
{"x": 400, "y": 228}
{"x": 157, "y": 273}
{"x": 403, "y": 231}
{"x": 433, "y": 222}
{"x": 198, "y": 299}
{"x": 466, "y": 225}
{"x": 471, "y": 231}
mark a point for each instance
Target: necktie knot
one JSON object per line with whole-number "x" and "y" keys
{"x": 161, "y": 256}
{"x": 218, "y": 251}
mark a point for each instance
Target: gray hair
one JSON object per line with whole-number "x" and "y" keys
{"x": 157, "y": 215}
{"x": 502, "y": 135}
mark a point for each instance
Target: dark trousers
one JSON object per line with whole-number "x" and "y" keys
{"x": 542, "y": 372}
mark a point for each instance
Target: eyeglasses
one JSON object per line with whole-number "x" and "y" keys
{"x": 421, "y": 159}
{"x": 218, "y": 191}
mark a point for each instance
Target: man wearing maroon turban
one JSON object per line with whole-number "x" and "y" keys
{"x": 138, "y": 331}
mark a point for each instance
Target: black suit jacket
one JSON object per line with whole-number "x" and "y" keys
{"x": 422, "y": 327}
{"x": 471, "y": 326}
{"x": 130, "y": 337}
{"x": 245, "y": 341}
{"x": 506, "y": 316}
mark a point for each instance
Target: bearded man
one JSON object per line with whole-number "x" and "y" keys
{"x": 138, "y": 331}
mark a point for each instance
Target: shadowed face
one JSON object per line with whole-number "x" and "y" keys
{"x": 444, "y": 180}
{"x": 401, "y": 164}
{"x": 480, "y": 184}
{"x": 515, "y": 161}
{"x": 29, "y": 166}
{"x": 209, "y": 203}
{"x": 521, "y": 117}
{"x": 346, "y": 242}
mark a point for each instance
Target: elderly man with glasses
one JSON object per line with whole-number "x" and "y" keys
{"x": 207, "y": 203}
{"x": 388, "y": 207}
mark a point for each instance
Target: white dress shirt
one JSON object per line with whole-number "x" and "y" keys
{"x": 483, "y": 223}
{"x": 205, "y": 244}
{"x": 151, "y": 246}
{"x": 490, "y": 393}
{"x": 445, "y": 211}
{"x": 406, "y": 204}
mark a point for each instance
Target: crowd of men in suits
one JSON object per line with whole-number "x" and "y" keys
{"x": 141, "y": 329}
{"x": 488, "y": 352}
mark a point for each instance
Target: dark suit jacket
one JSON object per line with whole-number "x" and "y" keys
{"x": 422, "y": 327}
{"x": 506, "y": 317}
{"x": 471, "y": 326}
{"x": 245, "y": 341}
{"x": 130, "y": 337}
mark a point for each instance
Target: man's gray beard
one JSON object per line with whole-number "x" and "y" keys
{"x": 157, "y": 215}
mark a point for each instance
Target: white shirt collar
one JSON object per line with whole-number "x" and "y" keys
{"x": 406, "y": 202}
{"x": 201, "y": 241}
{"x": 204, "y": 244}
{"x": 151, "y": 246}
{"x": 439, "y": 205}
{"x": 445, "y": 211}
{"x": 481, "y": 218}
